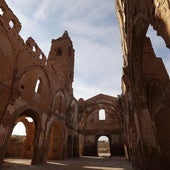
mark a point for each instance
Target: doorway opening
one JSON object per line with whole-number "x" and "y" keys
{"x": 20, "y": 145}
{"x": 103, "y": 146}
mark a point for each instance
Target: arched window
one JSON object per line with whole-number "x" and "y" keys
{"x": 59, "y": 52}
{"x": 102, "y": 114}
{"x": 38, "y": 86}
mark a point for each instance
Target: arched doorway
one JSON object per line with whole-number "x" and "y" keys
{"x": 103, "y": 146}
{"x": 20, "y": 145}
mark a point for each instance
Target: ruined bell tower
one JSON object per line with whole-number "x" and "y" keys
{"x": 61, "y": 61}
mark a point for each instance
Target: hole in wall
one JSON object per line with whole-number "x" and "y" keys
{"x": 38, "y": 86}
{"x": 40, "y": 56}
{"x": 33, "y": 48}
{"x": 102, "y": 114}
{"x": 1, "y": 11}
{"x": 159, "y": 47}
{"x": 59, "y": 52}
{"x": 11, "y": 24}
{"x": 29, "y": 119}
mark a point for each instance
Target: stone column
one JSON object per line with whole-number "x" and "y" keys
{"x": 38, "y": 147}
{"x": 145, "y": 129}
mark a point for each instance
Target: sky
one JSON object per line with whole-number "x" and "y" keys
{"x": 94, "y": 31}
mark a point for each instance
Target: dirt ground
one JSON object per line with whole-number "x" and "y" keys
{"x": 83, "y": 163}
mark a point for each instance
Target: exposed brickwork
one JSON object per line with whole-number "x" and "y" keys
{"x": 136, "y": 123}
{"x": 145, "y": 83}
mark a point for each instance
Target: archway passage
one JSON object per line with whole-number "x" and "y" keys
{"x": 103, "y": 146}
{"x": 20, "y": 145}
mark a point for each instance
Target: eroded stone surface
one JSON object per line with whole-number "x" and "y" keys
{"x": 137, "y": 121}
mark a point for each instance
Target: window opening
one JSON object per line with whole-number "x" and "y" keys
{"x": 41, "y": 56}
{"x": 11, "y": 24}
{"x": 59, "y": 52}
{"x": 102, "y": 114}
{"x": 37, "y": 86}
{"x": 1, "y": 12}
{"x": 33, "y": 48}
{"x": 29, "y": 119}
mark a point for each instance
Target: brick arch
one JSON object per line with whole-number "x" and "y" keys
{"x": 37, "y": 118}
{"x": 27, "y": 83}
{"x": 25, "y": 149}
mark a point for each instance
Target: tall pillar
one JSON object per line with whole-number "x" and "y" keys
{"x": 151, "y": 154}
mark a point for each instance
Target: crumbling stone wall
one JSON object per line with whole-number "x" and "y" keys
{"x": 51, "y": 104}
{"x": 145, "y": 83}
{"x": 139, "y": 118}
{"x": 33, "y": 86}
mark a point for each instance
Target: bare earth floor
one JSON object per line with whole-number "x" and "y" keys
{"x": 83, "y": 163}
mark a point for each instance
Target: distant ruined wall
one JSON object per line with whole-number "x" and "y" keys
{"x": 91, "y": 127}
{"x": 145, "y": 84}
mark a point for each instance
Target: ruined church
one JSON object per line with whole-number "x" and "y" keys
{"x": 137, "y": 122}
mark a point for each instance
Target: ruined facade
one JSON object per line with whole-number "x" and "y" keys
{"x": 136, "y": 122}
{"x": 32, "y": 86}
